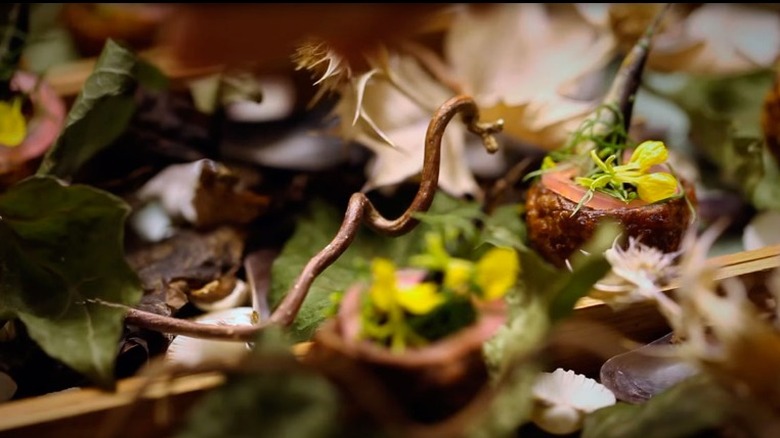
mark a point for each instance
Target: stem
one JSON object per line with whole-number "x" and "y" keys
{"x": 359, "y": 210}
{"x": 622, "y": 93}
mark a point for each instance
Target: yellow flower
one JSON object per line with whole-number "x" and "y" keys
{"x": 13, "y": 128}
{"x": 649, "y": 154}
{"x": 457, "y": 274}
{"x": 387, "y": 296}
{"x": 384, "y": 285}
{"x": 655, "y": 187}
{"x": 419, "y": 299}
{"x": 496, "y": 272}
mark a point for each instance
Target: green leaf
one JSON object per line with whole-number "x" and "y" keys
{"x": 513, "y": 366}
{"x": 561, "y": 288}
{"x": 545, "y": 294}
{"x": 454, "y": 218}
{"x": 692, "y": 406}
{"x": 150, "y": 77}
{"x": 62, "y": 250}
{"x": 505, "y": 227}
{"x": 101, "y": 113}
{"x": 315, "y": 230}
{"x": 766, "y": 195}
{"x": 587, "y": 269}
{"x": 725, "y": 126}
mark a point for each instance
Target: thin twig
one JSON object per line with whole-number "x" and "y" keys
{"x": 359, "y": 210}
{"x": 506, "y": 182}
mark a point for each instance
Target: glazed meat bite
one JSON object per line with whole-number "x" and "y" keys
{"x": 556, "y": 231}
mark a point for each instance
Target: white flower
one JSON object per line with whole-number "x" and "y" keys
{"x": 563, "y": 398}
{"x": 639, "y": 273}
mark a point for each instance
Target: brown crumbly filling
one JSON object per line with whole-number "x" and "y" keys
{"x": 556, "y": 234}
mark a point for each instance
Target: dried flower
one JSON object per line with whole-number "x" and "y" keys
{"x": 639, "y": 273}
{"x": 329, "y": 70}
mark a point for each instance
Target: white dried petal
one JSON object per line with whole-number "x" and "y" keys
{"x": 174, "y": 188}
{"x": 762, "y": 231}
{"x": 237, "y": 297}
{"x": 558, "y": 419}
{"x": 563, "y": 398}
{"x": 191, "y": 352}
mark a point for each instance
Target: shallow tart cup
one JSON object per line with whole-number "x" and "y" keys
{"x": 430, "y": 382}
{"x": 43, "y": 128}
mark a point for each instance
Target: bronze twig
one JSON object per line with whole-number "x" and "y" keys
{"x": 359, "y": 210}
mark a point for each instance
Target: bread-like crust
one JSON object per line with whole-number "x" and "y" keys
{"x": 556, "y": 234}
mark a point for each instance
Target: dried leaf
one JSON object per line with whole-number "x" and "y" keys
{"x": 203, "y": 193}
{"x": 719, "y": 39}
{"x": 172, "y": 269}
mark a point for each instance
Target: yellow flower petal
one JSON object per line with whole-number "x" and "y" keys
{"x": 649, "y": 154}
{"x": 655, "y": 187}
{"x": 496, "y": 272}
{"x": 13, "y": 127}
{"x": 457, "y": 274}
{"x": 384, "y": 288}
{"x": 420, "y": 298}
{"x": 548, "y": 163}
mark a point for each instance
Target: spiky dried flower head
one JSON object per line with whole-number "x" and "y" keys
{"x": 328, "y": 69}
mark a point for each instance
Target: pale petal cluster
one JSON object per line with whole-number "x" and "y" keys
{"x": 639, "y": 273}
{"x": 563, "y": 398}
